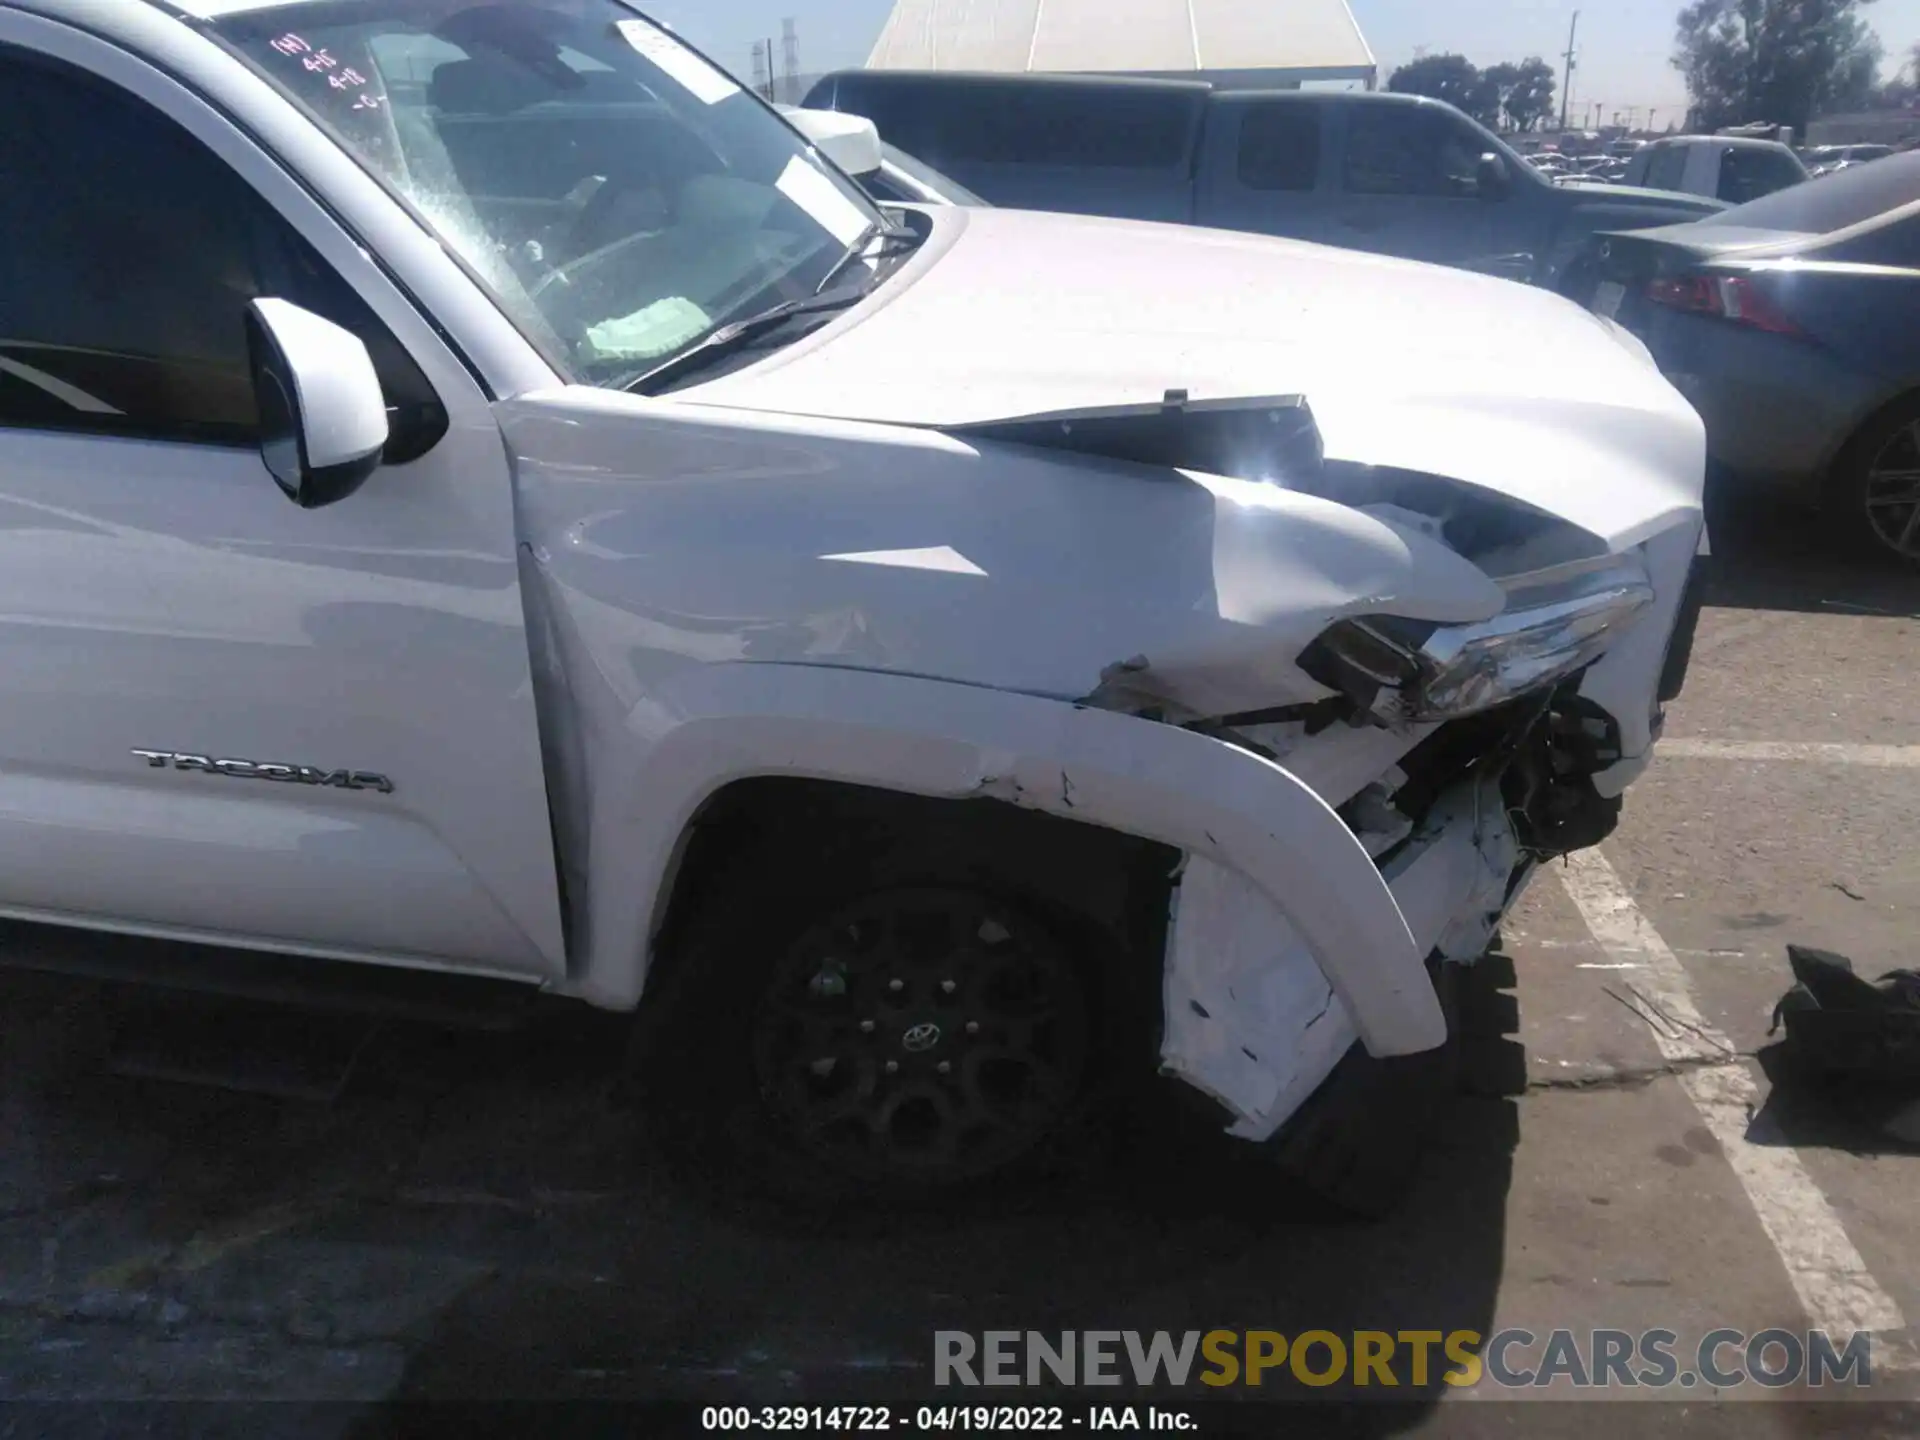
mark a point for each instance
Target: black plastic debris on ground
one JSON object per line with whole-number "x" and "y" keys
{"x": 1853, "y": 1043}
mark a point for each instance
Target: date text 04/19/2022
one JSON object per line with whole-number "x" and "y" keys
{"x": 942, "y": 1419}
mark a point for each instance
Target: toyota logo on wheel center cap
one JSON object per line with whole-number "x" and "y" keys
{"x": 923, "y": 1036}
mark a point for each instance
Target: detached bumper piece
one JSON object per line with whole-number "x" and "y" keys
{"x": 1853, "y": 1047}
{"x": 1841, "y": 1027}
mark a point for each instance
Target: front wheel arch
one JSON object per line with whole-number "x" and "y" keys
{"x": 1844, "y": 479}
{"x": 941, "y": 741}
{"x": 1102, "y": 884}
{"x": 1863, "y": 423}
{"x": 773, "y": 860}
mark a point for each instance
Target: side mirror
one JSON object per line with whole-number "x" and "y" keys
{"x": 850, "y": 141}
{"x": 1491, "y": 177}
{"x": 323, "y": 418}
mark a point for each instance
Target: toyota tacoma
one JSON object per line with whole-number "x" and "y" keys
{"x": 485, "y": 499}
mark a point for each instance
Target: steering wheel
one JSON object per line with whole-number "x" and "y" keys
{"x": 589, "y": 230}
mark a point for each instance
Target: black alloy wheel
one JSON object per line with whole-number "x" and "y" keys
{"x": 924, "y": 1036}
{"x": 1892, "y": 494}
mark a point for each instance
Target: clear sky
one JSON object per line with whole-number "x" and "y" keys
{"x": 1624, "y": 45}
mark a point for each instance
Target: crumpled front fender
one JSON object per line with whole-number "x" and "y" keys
{"x": 718, "y": 724}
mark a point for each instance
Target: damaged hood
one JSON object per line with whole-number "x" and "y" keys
{"x": 1010, "y": 313}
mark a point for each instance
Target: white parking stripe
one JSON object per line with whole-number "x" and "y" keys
{"x": 1827, "y": 1273}
{"x": 1892, "y": 757}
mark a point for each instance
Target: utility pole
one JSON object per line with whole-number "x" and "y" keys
{"x": 1566, "y": 89}
{"x": 762, "y": 66}
{"x": 790, "y": 59}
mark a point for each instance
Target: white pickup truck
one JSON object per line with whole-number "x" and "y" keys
{"x": 480, "y": 494}
{"x": 1733, "y": 168}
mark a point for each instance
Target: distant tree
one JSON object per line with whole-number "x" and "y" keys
{"x": 1483, "y": 101}
{"x": 1902, "y": 92}
{"x": 1518, "y": 97}
{"x": 1493, "y": 92}
{"x": 1778, "y": 61}
{"x": 1856, "y": 82}
{"x": 1452, "y": 78}
{"x": 1529, "y": 100}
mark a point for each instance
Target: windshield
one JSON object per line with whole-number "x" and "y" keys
{"x": 1833, "y": 202}
{"x": 620, "y": 196}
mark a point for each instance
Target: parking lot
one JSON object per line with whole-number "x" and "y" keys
{"x": 470, "y": 1221}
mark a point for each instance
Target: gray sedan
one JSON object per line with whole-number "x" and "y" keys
{"x": 1793, "y": 325}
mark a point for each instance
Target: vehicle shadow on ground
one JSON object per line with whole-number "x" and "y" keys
{"x": 725, "y": 1309}
{"x": 474, "y": 1208}
{"x": 1773, "y": 555}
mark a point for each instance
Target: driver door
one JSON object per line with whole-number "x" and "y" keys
{"x": 1408, "y": 186}
{"x": 227, "y": 718}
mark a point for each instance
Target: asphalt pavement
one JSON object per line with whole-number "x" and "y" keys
{"x": 470, "y": 1222}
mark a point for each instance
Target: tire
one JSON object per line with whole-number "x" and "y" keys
{"x": 1858, "y": 511}
{"x": 1359, "y": 1141}
{"x": 716, "y": 1064}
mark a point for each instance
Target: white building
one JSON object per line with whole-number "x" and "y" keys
{"x": 1239, "y": 44}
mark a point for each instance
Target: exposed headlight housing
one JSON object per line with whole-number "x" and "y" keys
{"x": 1400, "y": 671}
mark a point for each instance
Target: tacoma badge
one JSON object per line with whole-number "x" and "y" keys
{"x": 266, "y": 770}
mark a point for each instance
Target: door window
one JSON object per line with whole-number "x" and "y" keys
{"x": 1668, "y": 168}
{"x": 1748, "y": 174}
{"x": 1013, "y": 120}
{"x": 1840, "y": 201}
{"x": 1410, "y": 150}
{"x": 1280, "y": 146}
{"x": 130, "y": 256}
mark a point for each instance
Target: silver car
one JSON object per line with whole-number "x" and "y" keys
{"x": 1793, "y": 325}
